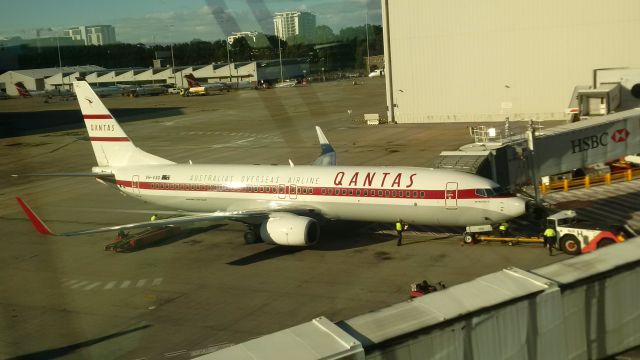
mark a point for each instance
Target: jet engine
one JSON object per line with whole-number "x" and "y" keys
{"x": 290, "y": 230}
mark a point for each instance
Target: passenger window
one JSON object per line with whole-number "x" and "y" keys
{"x": 344, "y": 191}
{"x": 422, "y": 194}
{"x": 366, "y": 193}
{"x": 400, "y": 193}
{"x": 324, "y": 191}
{"x": 393, "y": 193}
{"x": 386, "y": 193}
{"x": 379, "y": 192}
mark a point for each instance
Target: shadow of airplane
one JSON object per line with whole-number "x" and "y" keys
{"x": 335, "y": 236}
{"x": 69, "y": 349}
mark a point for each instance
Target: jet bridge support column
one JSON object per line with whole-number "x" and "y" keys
{"x": 531, "y": 133}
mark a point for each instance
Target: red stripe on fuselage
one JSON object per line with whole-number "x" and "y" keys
{"x": 106, "y": 138}
{"x": 96, "y": 116}
{"x": 462, "y": 194}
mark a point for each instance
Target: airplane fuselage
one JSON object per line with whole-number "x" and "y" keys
{"x": 380, "y": 194}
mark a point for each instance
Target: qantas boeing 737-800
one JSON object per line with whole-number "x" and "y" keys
{"x": 282, "y": 204}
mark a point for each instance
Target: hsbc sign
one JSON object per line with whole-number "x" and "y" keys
{"x": 597, "y": 141}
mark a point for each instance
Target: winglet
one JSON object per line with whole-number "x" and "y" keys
{"x": 328, "y": 155}
{"x": 35, "y": 220}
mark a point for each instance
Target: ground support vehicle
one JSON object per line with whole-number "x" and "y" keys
{"x": 422, "y": 288}
{"x": 573, "y": 236}
{"x": 125, "y": 242}
{"x": 576, "y": 237}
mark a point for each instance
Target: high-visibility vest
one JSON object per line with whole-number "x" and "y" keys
{"x": 503, "y": 227}
{"x": 399, "y": 226}
{"x": 153, "y": 217}
{"x": 550, "y": 232}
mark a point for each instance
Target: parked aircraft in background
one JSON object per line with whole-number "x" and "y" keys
{"x": 103, "y": 91}
{"x": 377, "y": 73}
{"x": 282, "y": 204}
{"x": 195, "y": 88}
{"x": 143, "y": 90}
{"x": 24, "y": 92}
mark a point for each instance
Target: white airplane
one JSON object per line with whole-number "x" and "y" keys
{"x": 25, "y": 93}
{"x": 103, "y": 91}
{"x": 282, "y": 204}
{"x": 195, "y": 88}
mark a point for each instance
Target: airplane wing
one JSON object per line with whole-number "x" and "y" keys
{"x": 240, "y": 215}
{"x": 328, "y": 155}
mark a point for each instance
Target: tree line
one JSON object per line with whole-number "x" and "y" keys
{"x": 345, "y": 50}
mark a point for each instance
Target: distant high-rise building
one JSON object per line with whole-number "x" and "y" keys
{"x": 93, "y": 34}
{"x": 291, "y": 23}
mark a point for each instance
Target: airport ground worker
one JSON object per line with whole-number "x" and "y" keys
{"x": 550, "y": 238}
{"x": 503, "y": 228}
{"x": 400, "y": 227}
{"x": 154, "y": 217}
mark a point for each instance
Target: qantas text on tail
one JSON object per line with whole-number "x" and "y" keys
{"x": 283, "y": 204}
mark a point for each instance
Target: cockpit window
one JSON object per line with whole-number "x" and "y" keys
{"x": 496, "y": 191}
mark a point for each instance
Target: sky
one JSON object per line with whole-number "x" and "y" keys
{"x": 165, "y": 21}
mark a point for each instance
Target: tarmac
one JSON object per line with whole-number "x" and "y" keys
{"x": 205, "y": 289}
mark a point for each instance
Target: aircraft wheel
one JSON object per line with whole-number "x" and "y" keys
{"x": 468, "y": 238}
{"x": 251, "y": 236}
{"x": 570, "y": 245}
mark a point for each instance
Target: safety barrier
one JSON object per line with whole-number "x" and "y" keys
{"x": 587, "y": 181}
{"x": 584, "y": 307}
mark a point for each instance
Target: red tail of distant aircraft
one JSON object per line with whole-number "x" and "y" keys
{"x": 195, "y": 88}
{"x": 22, "y": 90}
{"x": 192, "y": 81}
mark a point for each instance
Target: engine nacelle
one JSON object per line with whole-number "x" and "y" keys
{"x": 290, "y": 230}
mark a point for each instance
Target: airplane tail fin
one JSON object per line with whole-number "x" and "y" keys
{"x": 111, "y": 146}
{"x": 191, "y": 80}
{"x": 328, "y": 154}
{"x": 22, "y": 90}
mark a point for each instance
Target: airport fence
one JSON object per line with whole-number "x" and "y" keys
{"x": 582, "y": 308}
{"x": 588, "y": 181}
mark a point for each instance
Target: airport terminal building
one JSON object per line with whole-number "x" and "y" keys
{"x": 483, "y": 61}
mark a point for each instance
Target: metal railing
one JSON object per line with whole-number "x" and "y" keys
{"x": 588, "y": 181}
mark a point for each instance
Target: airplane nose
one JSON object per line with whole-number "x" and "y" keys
{"x": 517, "y": 207}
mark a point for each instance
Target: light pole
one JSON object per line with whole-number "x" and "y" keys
{"x": 366, "y": 31}
{"x": 173, "y": 62}
{"x": 280, "y": 54}
{"x": 228, "y": 60}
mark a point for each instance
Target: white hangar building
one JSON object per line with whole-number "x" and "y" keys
{"x": 469, "y": 60}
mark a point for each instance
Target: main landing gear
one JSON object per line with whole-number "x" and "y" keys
{"x": 252, "y": 235}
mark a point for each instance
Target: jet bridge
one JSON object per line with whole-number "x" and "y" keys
{"x": 559, "y": 149}
{"x": 576, "y": 145}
